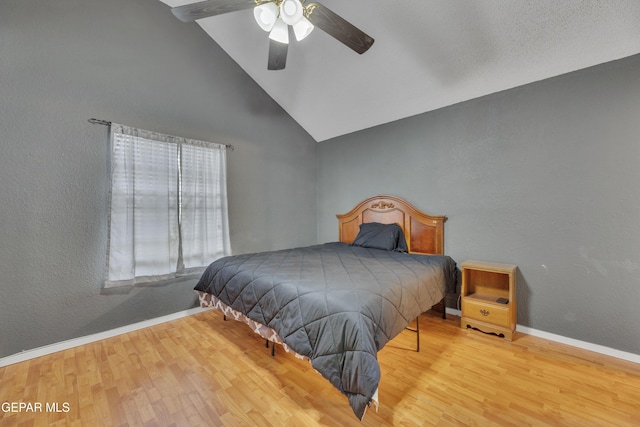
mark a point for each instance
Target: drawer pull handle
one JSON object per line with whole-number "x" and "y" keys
{"x": 484, "y": 312}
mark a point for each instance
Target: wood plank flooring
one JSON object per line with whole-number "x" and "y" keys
{"x": 203, "y": 371}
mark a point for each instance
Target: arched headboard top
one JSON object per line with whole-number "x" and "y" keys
{"x": 424, "y": 233}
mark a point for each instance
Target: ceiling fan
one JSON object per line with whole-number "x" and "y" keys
{"x": 277, "y": 17}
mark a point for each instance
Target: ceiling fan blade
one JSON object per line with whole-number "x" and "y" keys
{"x": 337, "y": 27}
{"x": 204, "y": 9}
{"x": 277, "y": 55}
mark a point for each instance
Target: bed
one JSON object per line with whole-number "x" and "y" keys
{"x": 337, "y": 304}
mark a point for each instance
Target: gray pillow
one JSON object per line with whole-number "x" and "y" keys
{"x": 388, "y": 237}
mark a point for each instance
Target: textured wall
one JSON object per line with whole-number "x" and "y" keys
{"x": 544, "y": 176}
{"x": 129, "y": 61}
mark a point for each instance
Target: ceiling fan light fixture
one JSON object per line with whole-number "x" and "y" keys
{"x": 302, "y": 28}
{"x": 266, "y": 15}
{"x": 291, "y": 11}
{"x": 280, "y": 32}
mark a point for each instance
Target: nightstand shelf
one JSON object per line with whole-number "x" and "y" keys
{"x": 483, "y": 284}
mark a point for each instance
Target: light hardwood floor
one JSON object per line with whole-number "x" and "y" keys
{"x": 202, "y": 371}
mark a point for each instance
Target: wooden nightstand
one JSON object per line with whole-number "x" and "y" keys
{"x": 483, "y": 284}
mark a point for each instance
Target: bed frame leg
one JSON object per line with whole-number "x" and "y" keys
{"x": 273, "y": 347}
{"x": 418, "y": 333}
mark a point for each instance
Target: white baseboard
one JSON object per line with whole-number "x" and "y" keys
{"x": 608, "y": 351}
{"x": 454, "y": 312}
{"x": 65, "y": 345}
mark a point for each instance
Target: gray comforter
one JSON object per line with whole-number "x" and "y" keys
{"x": 336, "y": 304}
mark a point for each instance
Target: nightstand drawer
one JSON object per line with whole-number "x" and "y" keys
{"x": 491, "y": 313}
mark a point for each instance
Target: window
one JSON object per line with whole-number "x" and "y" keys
{"x": 168, "y": 206}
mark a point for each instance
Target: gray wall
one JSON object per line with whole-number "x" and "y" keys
{"x": 545, "y": 176}
{"x": 131, "y": 61}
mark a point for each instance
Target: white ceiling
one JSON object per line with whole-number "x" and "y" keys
{"x": 427, "y": 54}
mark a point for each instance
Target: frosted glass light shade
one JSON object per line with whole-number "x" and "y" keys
{"x": 266, "y": 15}
{"x": 291, "y": 11}
{"x": 280, "y": 32}
{"x": 302, "y": 28}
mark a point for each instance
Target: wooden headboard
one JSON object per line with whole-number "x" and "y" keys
{"x": 424, "y": 233}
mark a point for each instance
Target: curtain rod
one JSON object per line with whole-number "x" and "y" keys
{"x": 108, "y": 123}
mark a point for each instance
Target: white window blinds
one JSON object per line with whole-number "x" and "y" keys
{"x": 168, "y": 206}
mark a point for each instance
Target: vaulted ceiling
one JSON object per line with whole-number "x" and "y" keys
{"x": 427, "y": 54}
